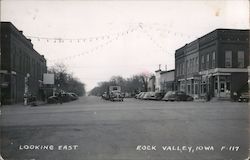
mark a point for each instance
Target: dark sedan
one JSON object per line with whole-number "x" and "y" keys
{"x": 177, "y": 96}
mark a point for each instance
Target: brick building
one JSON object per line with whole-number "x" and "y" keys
{"x": 187, "y": 68}
{"x": 221, "y": 66}
{"x": 22, "y": 67}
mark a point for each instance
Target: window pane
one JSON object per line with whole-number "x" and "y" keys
{"x": 213, "y": 60}
{"x": 240, "y": 59}
{"x": 228, "y": 59}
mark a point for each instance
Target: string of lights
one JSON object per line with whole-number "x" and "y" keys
{"x": 110, "y": 40}
{"x": 107, "y": 39}
{"x": 168, "y": 31}
{"x": 79, "y": 40}
{"x": 144, "y": 31}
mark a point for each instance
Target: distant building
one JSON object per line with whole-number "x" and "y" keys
{"x": 158, "y": 80}
{"x": 151, "y": 84}
{"x": 21, "y": 67}
{"x": 162, "y": 81}
{"x": 215, "y": 64}
{"x": 167, "y": 80}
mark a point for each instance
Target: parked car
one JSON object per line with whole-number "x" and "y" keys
{"x": 105, "y": 96}
{"x": 65, "y": 97}
{"x": 177, "y": 96}
{"x": 157, "y": 96}
{"x": 142, "y": 95}
{"x": 137, "y": 96}
{"x": 53, "y": 99}
{"x": 244, "y": 97}
{"x": 73, "y": 96}
{"x": 148, "y": 95}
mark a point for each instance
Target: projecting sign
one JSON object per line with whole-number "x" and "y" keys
{"x": 48, "y": 78}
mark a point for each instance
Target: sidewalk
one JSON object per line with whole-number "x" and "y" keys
{"x": 18, "y": 105}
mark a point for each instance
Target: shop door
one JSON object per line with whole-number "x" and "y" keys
{"x": 223, "y": 86}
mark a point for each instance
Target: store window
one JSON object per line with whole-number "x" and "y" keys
{"x": 228, "y": 59}
{"x": 240, "y": 59}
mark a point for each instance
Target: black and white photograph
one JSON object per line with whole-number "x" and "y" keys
{"x": 124, "y": 80}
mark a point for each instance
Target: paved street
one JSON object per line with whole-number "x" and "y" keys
{"x": 94, "y": 129}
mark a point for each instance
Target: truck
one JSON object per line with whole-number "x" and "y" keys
{"x": 113, "y": 94}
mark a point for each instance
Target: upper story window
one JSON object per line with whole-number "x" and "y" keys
{"x": 241, "y": 59}
{"x": 191, "y": 65}
{"x": 207, "y": 62}
{"x": 213, "y": 59}
{"x": 179, "y": 69}
{"x": 202, "y": 63}
{"x": 228, "y": 59}
{"x": 183, "y": 68}
{"x": 196, "y": 64}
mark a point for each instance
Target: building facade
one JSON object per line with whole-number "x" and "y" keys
{"x": 216, "y": 66}
{"x": 167, "y": 81}
{"x": 187, "y": 68}
{"x": 22, "y": 67}
{"x": 158, "y": 80}
{"x": 162, "y": 81}
{"x": 151, "y": 84}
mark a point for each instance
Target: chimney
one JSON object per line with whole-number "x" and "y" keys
{"x": 166, "y": 67}
{"x": 159, "y": 66}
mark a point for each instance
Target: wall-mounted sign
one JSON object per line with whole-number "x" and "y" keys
{"x": 48, "y": 78}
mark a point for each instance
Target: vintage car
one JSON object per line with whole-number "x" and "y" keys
{"x": 177, "y": 96}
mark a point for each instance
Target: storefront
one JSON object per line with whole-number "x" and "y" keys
{"x": 222, "y": 85}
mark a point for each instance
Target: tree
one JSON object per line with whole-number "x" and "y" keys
{"x": 144, "y": 78}
{"x": 66, "y": 81}
{"x": 132, "y": 85}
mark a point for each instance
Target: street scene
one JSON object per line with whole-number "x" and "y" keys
{"x": 92, "y": 128}
{"x": 124, "y": 80}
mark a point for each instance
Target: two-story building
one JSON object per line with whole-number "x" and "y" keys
{"x": 21, "y": 67}
{"x": 214, "y": 64}
{"x": 187, "y": 68}
{"x": 224, "y": 58}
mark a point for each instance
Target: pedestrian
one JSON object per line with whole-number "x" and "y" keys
{"x": 60, "y": 97}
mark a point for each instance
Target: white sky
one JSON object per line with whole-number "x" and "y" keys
{"x": 166, "y": 26}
